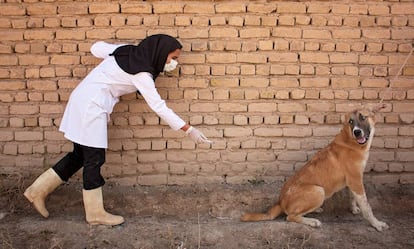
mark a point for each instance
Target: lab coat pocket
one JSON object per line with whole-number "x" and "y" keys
{"x": 101, "y": 106}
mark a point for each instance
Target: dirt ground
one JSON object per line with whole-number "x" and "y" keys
{"x": 201, "y": 216}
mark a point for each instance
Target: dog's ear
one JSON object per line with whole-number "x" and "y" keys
{"x": 346, "y": 117}
{"x": 378, "y": 107}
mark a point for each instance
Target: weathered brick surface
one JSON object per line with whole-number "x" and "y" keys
{"x": 268, "y": 82}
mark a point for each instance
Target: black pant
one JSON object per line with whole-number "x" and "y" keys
{"x": 91, "y": 159}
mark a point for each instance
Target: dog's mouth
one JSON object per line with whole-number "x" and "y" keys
{"x": 362, "y": 140}
{"x": 360, "y": 136}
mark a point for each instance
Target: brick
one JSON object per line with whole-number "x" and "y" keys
{"x": 260, "y": 156}
{"x": 217, "y": 21}
{"x": 291, "y": 107}
{"x": 402, "y": 9}
{"x": 65, "y": 60}
{"x": 297, "y": 132}
{"x": 221, "y": 58}
{"x": 150, "y": 157}
{"x": 287, "y": 32}
{"x": 237, "y": 132}
{"x": 318, "y": 8}
{"x": 255, "y": 58}
{"x": 343, "y": 58}
{"x": 152, "y": 180}
{"x": 314, "y": 82}
{"x": 407, "y": 178}
{"x": 12, "y": 10}
{"x": 181, "y": 156}
{"x": 41, "y": 9}
{"x": 376, "y": 33}
{"x": 199, "y": 8}
{"x": 262, "y": 107}
{"x": 230, "y": 7}
{"x": 309, "y": 57}
{"x": 255, "y": 32}
{"x": 39, "y": 35}
{"x": 261, "y": 8}
{"x": 403, "y": 107}
{"x": 28, "y": 136}
{"x": 11, "y": 35}
{"x": 42, "y": 85}
{"x": 316, "y": 34}
{"x": 291, "y": 7}
{"x": 130, "y": 34}
{"x": 268, "y": 132}
{"x": 292, "y": 156}
{"x": 346, "y": 34}
{"x": 345, "y": 82}
{"x": 224, "y": 82}
{"x": 204, "y": 107}
{"x": 198, "y": 83}
{"x": 136, "y": 8}
{"x": 359, "y": 9}
{"x": 402, "y": 34}
{"x": 103, "y": 8}
{"x": 378, "y": 10}
{"x": 38, "y": 60}
{"x": 8, "y": 60}
{"x": 189, "y": 33}
{"x": 284, "y": 82}
{"x": 373, "y": 59}
{"x": 232, "y": 107}
{"x": 254, "y": 82}
{"x": 380, "y": 83}
{"x": 70, "y": 35}
{"x": 283, "y": 57}
{"x": 24, "y": 109}
{"x": 223, "y": 32}
{"x": 320, "y": 107}
{"x": 73, "y": 9}
{"x": 6, "y": 136}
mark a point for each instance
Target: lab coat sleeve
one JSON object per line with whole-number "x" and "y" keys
{"x": 146, "y": 86}
{"x": 102, "y": 49}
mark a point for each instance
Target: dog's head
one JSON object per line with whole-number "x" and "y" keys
{"x": 360, "y": 125}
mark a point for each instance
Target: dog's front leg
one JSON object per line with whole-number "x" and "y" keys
{"x": 367, "y": 213}
{"x": 354, "y": 206}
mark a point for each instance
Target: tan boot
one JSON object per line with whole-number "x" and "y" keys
{"x": 41, "y": 187}
{"x": 94, "y": 209}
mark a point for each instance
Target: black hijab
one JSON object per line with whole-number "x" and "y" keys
{"x": 149, "y": 55}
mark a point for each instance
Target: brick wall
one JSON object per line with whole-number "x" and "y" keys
{"x": 268, "y": 82}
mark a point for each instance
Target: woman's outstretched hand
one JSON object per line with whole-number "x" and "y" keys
{"x": 197, "y": 136}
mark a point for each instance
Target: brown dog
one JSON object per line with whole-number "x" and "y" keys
{"x": 340, "y": 164}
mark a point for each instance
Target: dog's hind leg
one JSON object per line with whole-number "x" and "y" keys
{"x": 271, "y": 214}
{"x": 304, "y": 200}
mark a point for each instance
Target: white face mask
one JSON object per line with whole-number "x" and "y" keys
{"x": 170, "y": 66}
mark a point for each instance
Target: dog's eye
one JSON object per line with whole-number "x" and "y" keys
{"x": 362, "y": 117}
{"x": 351, "y": 121}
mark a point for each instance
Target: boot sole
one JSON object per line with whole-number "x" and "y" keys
{"x": 31, "y": 200}
{"x": 95, "y": 223}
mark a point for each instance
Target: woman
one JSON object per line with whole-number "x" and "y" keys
{"x": 125, "y": 69}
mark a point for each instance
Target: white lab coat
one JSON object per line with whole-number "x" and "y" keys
{"x": 92, "y": 101}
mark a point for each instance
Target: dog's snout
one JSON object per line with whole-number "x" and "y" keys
{"x": 357, "y": 132}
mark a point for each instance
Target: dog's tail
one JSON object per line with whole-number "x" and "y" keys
{"x": 271, "y": 214}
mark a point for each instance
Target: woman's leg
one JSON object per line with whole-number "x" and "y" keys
{"x": 92, "y": 192}
{"x": 71, "y": 163}
{"x": 94, "y": 158}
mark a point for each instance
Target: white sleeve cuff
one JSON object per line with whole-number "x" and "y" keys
{"x": 103, "y": 49}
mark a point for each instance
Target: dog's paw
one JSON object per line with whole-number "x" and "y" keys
{"x": 318, "y": 210}
{"x": 355, "y": 209}
{"x": 312, "y": 222}
{"x": 380, "y": 226}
